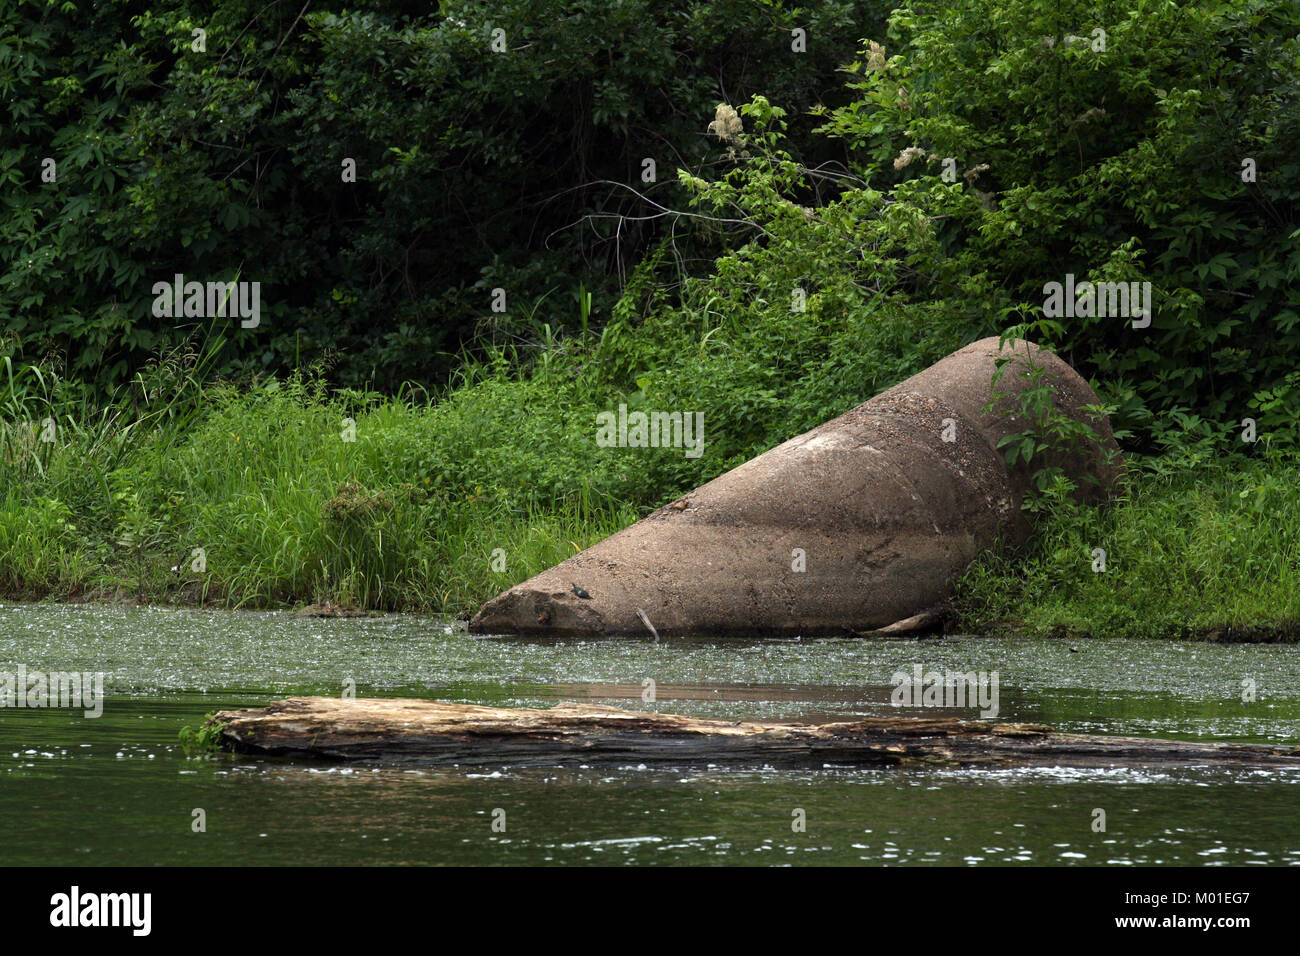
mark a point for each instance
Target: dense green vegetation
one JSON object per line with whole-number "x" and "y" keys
{"x": 1205, "y": 542}
{"x": 475, "y": 169}
{"x": 780, "y": 288}
{"x": 1211, "y": 549}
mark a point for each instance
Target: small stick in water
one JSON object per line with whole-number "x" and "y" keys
{"x": 646, "y": 621}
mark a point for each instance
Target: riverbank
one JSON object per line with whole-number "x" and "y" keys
{"x": 1199, "y": 550}
{"x": 195, "y": 460}
{"x": 285, "y": 494}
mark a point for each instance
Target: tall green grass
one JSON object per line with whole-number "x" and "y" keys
{"x": 294, "y": 494}
{"x": 268, "y": 493}
{"x": 280, "y": 493}
{"x": 1209, "y": 550}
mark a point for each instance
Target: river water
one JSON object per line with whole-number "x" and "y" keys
{"x": 119, "y": 789}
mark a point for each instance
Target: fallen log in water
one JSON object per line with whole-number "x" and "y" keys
{"x": 432, "y": 732}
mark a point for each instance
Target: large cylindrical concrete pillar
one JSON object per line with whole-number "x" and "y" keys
{"x": 861, "y": 522}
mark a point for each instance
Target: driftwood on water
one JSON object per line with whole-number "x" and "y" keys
{"x": 433, "y": 732}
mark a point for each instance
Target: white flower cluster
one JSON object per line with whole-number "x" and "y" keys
{"x": 727, "y": 127}
{"x": 908, "y": 156}
{"x": 875, "y": 56}
{"x": 726, "y": 124}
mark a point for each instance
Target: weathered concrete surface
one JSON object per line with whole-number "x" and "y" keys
{"x": 886, "y": 512}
